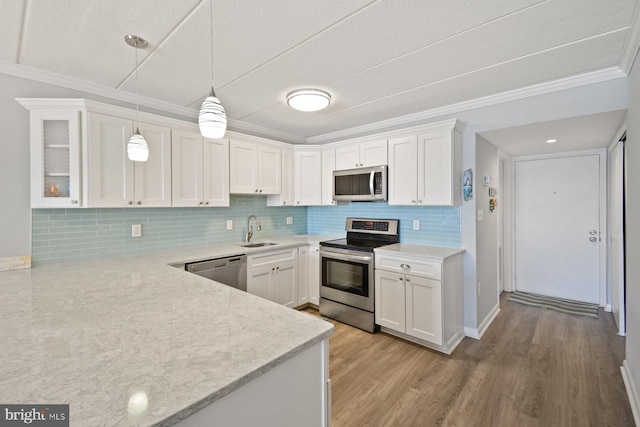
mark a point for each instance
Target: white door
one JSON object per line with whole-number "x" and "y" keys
{"x": 616, "y": 260}
{"x": 424, "y": 308}
{"x": 215, "y": 172}
{"x": 390, "y": 300}
{"x": 186, "y": 168}
{"x": 557, "y": 227}
{"x": 153, "y": 177}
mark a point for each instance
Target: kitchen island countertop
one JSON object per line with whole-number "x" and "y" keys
{"x": 135, "y": 341}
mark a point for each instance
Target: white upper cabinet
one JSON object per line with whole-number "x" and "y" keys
{"x": 286, "y": 197}
{"x": 55, "y": 142}
{"x": 328, "y": 166}
{"x": 307, "y": 178}
{"x": 362, "y": 154}
{"x": 254, "y": 168}
{"x": 200, "y": 170}
{"x": 116, "y": 181}
{"x": 424, "y": 168}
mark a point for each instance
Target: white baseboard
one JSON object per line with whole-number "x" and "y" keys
{"x": 477, "y": 333}
{"x": 632, "y": 393}
{"x": 607, "y": 308}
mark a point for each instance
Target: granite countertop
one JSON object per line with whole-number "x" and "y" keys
{"x": 104, "y": 336}
{"x": 410, "y": 249}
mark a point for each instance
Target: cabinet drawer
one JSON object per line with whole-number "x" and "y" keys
{"x": 276, "y": 256}
{"x": 414, "y": 266}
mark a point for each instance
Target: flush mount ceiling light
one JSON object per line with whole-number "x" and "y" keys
{"x": 137, "y": 148}
{"x": 308, "y": 99}
{"x": 551, "y": 141}
{"x": 212, "y": 118}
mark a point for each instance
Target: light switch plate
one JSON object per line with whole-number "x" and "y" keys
{"x": 416, "y": 224}
{"x": 289, "y": 220}
{"x": 229, "y": 224}
{"x": 480, "y": 215}
{"x": 136, "y": 230}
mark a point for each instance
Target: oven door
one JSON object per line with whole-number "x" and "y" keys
{"x": 347, "y": 277}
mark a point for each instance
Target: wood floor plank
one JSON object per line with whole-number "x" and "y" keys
{"x": 533, "y": 367}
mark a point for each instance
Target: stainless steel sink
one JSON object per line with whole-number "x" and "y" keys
{"x": 258, "y": 245}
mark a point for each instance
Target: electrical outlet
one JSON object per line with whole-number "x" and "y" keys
{"x": 416, "y": 224}
{"x": 229, "y": 224}
{"x": 289, "y": 220}
{"x": 479, "y": 289}
{"x": 136, "y": 230}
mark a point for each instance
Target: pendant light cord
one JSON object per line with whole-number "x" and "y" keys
{"x": 137, "y": 100}
{"x": 211, "y": 45}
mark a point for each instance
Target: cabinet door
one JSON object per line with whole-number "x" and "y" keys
{"x": 328, "y": 166}
{"x": 373, "y": 153}
{"x": 403, "y": 170}
{"x": 259, "y": 281}
{"x": 285, "y": 284}
{"x": 153, "y": 177}
{"x": 436, "y": 174}
{"x": 390, "y": 300}
{"x": 243, "y": 169}
{"x": 348, "y": 157}
{"x": 424, "y": 309}
{"x": 308, "y": 173}
{"x": 186, "y": 165}
{"x": 303, "y": 275}
{"x": 55, "y": 158}
{"x": 314, "y": 274}
{"x": 110, "y": 170}
{"x": 269, "y": 174}
{"x": 286, "y": 196}
{"x": 215, "y": 172}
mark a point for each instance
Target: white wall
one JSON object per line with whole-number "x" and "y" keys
{"x": 486, "y": 232}
{"x": 632, "y": 362}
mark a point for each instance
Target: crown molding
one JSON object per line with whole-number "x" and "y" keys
{"x": 486, "y": 101}
{"x": 632, "y": 44}
{"x": 413, "y": 120}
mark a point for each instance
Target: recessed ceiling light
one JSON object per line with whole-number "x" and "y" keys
{"x": 551, "y": 141}
{"x": 308, "y": 99}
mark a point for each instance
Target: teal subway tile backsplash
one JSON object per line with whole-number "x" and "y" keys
{"x": 65, "y": 235}
{"x": 439, "y": 225}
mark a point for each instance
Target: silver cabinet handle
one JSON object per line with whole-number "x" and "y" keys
{"x": 261, "y": 190}
{"x": 130, "y": 202}
{"x": 413, "y": 201}
{"x": 593, "y": 232}
{"x": 408, "y": 280}
{"x": 74, "y": 202}
{"x": 256, "y": 190}
{"x": 206, "y": 203}
{"x": 139, "y": 202}
{"x": 401, "y": 278}
{"x": 593, "y": 239}
{"x": 405, "y": 266}
{"x": 371, "y": 175}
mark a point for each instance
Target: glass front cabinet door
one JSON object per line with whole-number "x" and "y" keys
{"x": 55, "y": 158}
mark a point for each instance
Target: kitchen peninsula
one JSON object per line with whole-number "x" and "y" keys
{"x": 137, "y": 342}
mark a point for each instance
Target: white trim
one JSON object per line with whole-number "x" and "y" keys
{"x": 607, "y": 308}
{"x": 592, "y": 77}
{"x": 602, "y": 157}
{"x": 632, "y": 393}
{"x": 632, "y": 44}
{"x": 499, "y": 98}
{"x": 479, "y": 332}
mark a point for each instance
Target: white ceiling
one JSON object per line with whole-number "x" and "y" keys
{"x": 380, "y": 59}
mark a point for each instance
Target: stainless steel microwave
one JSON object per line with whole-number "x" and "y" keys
{"x": 367, "y": 184}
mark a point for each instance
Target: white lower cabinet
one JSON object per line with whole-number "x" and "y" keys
{"x": 420, "y": 300}
{"x": 309, "y": 275}
{"x": 273, "y": 275}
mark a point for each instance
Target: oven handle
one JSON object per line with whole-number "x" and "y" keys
{"x": 345, "y": 257}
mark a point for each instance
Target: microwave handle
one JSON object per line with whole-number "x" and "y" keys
{"x": 371, "y": 176}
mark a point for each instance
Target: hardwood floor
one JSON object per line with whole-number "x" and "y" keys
{"x": 533, "y": 367}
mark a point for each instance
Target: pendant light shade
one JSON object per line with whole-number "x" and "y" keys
{"x": 212, "y": 118}
{"x": 137, "y": 147}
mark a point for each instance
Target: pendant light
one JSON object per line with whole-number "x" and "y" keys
{"x": 137, "y": 148}
{"x": 212, "y": 118}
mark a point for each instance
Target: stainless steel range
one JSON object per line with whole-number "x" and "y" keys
{"x": 347, "y": 267}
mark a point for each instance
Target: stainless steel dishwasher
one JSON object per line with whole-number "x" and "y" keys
{"x": 231, "y": 271}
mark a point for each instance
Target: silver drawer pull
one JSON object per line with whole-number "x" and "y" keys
{"x": 405, "y": 266}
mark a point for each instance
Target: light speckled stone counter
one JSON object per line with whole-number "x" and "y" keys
{"x": 94, "y": 334}
{"x": 411, "y": 249}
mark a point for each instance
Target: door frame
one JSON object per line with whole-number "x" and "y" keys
{"x": 505, "y": 212}
{"x": 604, "y": 232}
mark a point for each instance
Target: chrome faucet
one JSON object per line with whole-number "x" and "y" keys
{"x": 247, "y": 237}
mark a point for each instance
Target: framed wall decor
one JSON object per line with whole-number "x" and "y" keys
{"x": 467, "y": 184}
